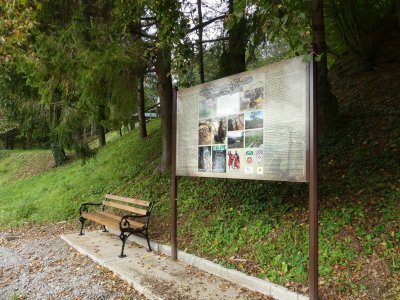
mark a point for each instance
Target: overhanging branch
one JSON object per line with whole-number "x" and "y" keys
{"x": 215, "y": 40}
{"x": 204, "y": 24}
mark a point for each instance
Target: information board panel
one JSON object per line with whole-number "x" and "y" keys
{"x": 251, "y": 125}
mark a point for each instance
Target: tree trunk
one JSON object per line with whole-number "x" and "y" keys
{"x": 164, "y": 87}
{"x": 100, "y": 129}
{"x": 10, "y": 140}
{"x": 200, "y": 42}
{"x": 327, "y": 103}
{"x": 140, "y": 108}
{"x": 234, "y": 60}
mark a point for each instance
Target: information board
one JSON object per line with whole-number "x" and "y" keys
{"x": 251, "y": 125}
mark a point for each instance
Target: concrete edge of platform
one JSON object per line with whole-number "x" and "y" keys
{"x": 242, "y": 279}
{"x": 131, "y": 280}
{"x": 249, "y": 282}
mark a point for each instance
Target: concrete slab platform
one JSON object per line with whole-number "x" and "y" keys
{"x": 158, "y": 277}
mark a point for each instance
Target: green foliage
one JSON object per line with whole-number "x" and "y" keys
{"x": 79, "y": 58}
{"x": 356, "y": 26}
{"x": 19, "y": 104}
{"x": 58, "y": 154}
{"x": 17, "y": 26}
{"x": 280, "y": 22}
{"x": 171, "y": 24}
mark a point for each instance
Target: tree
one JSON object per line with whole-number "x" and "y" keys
{"x": 398, "y": 12}
{"x": 163, "y": 71}
{"x": 289, "y": 21}
{"x": 171, "y": 26}
{"x": 161, "y": 26}
{"x": 18, "y": 101}
{"x": 140, "y": 108}
{"x": 327, "y": 103}
{"x": 200, "y": 42}
{"x": 233, "y": 60}
{"x": 95, "y": 76}
{"x": 358, "y": 25}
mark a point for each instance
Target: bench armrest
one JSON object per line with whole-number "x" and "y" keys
{"x": 84, "y": 206}
{"x": 125, "y": 219}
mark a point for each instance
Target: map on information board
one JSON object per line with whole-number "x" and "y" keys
{"x": 251, "y": 125}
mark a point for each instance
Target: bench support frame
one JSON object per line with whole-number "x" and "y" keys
{"x": 123, "y": 238}
{"x": 82, "y": 220}
{"x": 124, "y": 226}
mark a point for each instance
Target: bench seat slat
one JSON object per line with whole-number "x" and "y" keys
{"x": 108, "y": 215}
{"x": 134, "y": 224}
{"x": 109, "y": 220}
{"x": 135, "y": 210}
{"x": 128, "y": 200}
{"x": 101, "y": 220}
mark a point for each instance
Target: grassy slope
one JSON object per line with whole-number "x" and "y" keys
{"x": 56, "y": 194}
{"x": 18, "y": 164}
{"x": 260, "y": 227}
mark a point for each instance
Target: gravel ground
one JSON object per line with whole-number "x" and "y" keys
{"x": 36, "y": 264}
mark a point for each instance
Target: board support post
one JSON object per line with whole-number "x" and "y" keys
{"x": 313, "y": 180}
{"x": 174, "y": 246}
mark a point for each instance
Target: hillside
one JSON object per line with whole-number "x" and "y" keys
{"x": 260, "y": 228}
{"x": 19, "y": 164}
{"x": 57, "y": 193}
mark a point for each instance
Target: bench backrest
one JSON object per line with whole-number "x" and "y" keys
{"x": 140, "y": 207}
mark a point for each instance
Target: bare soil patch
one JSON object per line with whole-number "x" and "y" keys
{"x": 35, "y": 164}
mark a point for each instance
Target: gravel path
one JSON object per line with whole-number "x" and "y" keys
{"x": 36, "y": 264}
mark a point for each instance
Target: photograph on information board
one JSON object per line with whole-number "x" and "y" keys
{"x": 205, "y": 163}
{"x": 252, "y": 99}
{"x": 235, "y": 139}
{"x": 236, "y": 122}
{"x": 206, "y": 134}
{"x": 254, "y": 119}
{"x": 234, "y": 157}
{"x": 219, "y": 130}
{"x": 207, "y": 108}
{"x": 219, "y": 159}
{"x": 254, "y": 138}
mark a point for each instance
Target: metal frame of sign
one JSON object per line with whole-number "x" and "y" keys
{"x": 312, "y": 174}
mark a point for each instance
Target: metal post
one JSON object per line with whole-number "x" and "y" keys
{"x": 313, "y": 184}
{"x": 174, "y": 248}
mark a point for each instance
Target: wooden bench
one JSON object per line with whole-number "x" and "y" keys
{"x": 127, "y": 215}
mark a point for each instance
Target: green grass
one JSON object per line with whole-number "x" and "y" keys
{"x": 57, "y": 193}
{"x": 110, "y": 137}
{"x": 17, "y": 164}
{"x": 260, "y": 228}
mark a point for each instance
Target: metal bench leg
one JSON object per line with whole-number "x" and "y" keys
{"x": 123, "y": 238}
{"x": 148, "y": 242}
{"x": 82, "y": 220}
